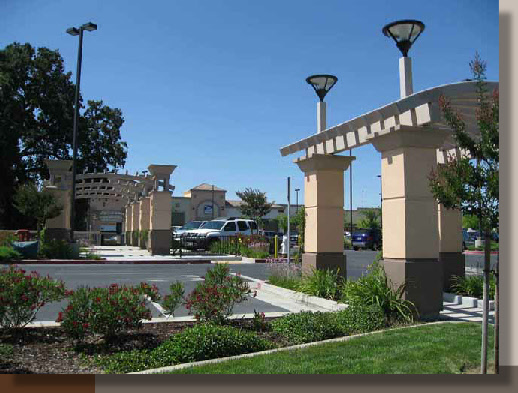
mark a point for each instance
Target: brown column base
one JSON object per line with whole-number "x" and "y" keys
{"x": 142, "y": 241}
{"x": 57, "y": 234}
{"x": 159, "y": 242}
{"x": 127, "y": 238}
{"x": 324, "y": 260}
{"x": 424, "y": 281}
{"x": 134, "y": 238}
{"x": 453, "y": 264}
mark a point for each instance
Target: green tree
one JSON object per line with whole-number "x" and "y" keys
{"x": 36, "y": 119}
{"x": 469, "y": 221}
{"x": 471, "y": 183}
{"x": 255, "y": 204}
{"x": 42, "y": 205}
{"x": 282, "y": 222}
{"x": 371, "y": 219}
{"x": 300, "y": 222}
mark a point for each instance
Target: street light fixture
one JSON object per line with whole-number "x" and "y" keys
{"x": 322, "y": 84}
{"x": 297, "y": 191}
{"x": 73, "y": 31}
{"x": 404, "y": 33}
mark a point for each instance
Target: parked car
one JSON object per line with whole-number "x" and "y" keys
{"x": 467, "y": 240}
{"x": 187, "y": 227}
{"x": 211, "y": 231}
{"x": 366, "y": 238}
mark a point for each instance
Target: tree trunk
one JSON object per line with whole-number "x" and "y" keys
{"x": 497, "y": 314}
{"x": 485, "y": 309}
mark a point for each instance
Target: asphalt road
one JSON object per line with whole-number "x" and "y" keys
{"x": 75, "y": 276}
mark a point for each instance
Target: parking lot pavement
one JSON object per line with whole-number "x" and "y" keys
{"x": 99, "y": 275}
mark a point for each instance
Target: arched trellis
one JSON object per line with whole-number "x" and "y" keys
{"x": 422, "y": 241}
{"x": 144, "y": 200}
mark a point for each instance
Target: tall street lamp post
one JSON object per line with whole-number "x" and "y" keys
{"x": 322, "y": 84}
{"x": 74, "y": 32}
{"x": 404, "y": 33}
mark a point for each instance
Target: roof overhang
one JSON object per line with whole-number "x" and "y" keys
{"x": 419, "y": 109}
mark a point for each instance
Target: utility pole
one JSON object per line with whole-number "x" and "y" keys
{"x": 289, "y": 240}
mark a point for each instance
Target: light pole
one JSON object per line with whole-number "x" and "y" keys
{"x": 322, "y": 84}
{"x": 297, "y": 193}
{"x": 404, "y": 33}
{"x": 75, "y": 31}
{"x": 381, "y": 203}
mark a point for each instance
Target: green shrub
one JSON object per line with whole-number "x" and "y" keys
{"x": 292, "y": 283}
{"x": 322, "y": 283}
{"x": 359, "y": 318}
{"x": 307, "y": 327}
{"x": 7, "y": 238}
{"x": 106, "y": 311}
{"x": 473, "y": 286}
{"x": 201, "y": 342}
{"x": 174, "y": 298}
{"x": 374, "y": 288}
{"x": 6, "y": 352}
{"x": 214, "y": 299}
{"x": 8, "y": 254}
{"x": 57, "y": 249}
{"x": 22, "y": 295}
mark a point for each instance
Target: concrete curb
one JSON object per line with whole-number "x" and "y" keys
{"x": 479, "y": 252}
{"x": 187, "y": 318}
{"x": 290, "y": 348}
{"x": 467, "y": 301}
{"x": 298, "y": 297}
{"x": 143, "y": 261}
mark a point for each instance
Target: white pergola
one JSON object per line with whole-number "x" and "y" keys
{"x": 417, "y": 110}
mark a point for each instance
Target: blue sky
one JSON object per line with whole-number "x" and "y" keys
{"x": 218, "y": 87}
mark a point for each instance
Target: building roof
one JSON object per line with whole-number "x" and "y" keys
{"x": 207, "y": 187}
{"x": 419, "y": 109}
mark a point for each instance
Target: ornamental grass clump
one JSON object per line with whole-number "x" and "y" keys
{"x": 106, "y": 311}
{"x": 214, "y": 299}
{"x": 22, "y": 295}
{"x": 322, "y": 283}
{"x": 374, "y": 288}
{"x": 472, "y": 286}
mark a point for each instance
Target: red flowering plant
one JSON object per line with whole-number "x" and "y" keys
{"x": 22, "y": 295}
{"x": 214, "y": 299}
{"x": 107, "y": 311}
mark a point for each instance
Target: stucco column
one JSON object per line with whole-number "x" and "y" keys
{"x": 161, "y": 204}
{"x": 450, "y": 244}
{"x": 129, "y": 223}
{"x": 60, "y": 185}
{"x": 410, "y": 232}
{"x": 144, "y": 221}
{"x": 135, "y": 218}
{"x": 324, "y": 206}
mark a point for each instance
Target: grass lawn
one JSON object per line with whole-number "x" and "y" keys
{"x": 448, "y": 348}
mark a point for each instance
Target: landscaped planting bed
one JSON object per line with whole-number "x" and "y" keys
{"x": 102, "y": 329}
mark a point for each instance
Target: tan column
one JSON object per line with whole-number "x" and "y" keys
{"x": 135, "y": 220}
{"x": 450, "y": 244}
{"x": 410, "y": 233}
{"x": 161, "y": 203}
{"x": 323, "y": 201}
{"x": 129, "y": 224}
{"x": 450, "y": 238}
{"x": 59, "y": 184}
{"x": 144, "y": 221}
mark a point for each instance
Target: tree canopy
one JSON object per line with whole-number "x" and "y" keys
{"x": 255, "y": 204}
{"x": 36, "y": 122}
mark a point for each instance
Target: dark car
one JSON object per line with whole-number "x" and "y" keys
{"x": 366, "y": 238}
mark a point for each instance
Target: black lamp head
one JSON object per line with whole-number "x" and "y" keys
{"x": 404, "y": 33}
{"x": 322, "y": 84}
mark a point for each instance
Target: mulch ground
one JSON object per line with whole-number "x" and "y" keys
{"x": 50, "y": 351}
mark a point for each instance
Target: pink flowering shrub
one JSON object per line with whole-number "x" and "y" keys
{"x": 106, "y": 311}
{"x": 214, "y": 299}
{"x": 22, "y": 295}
